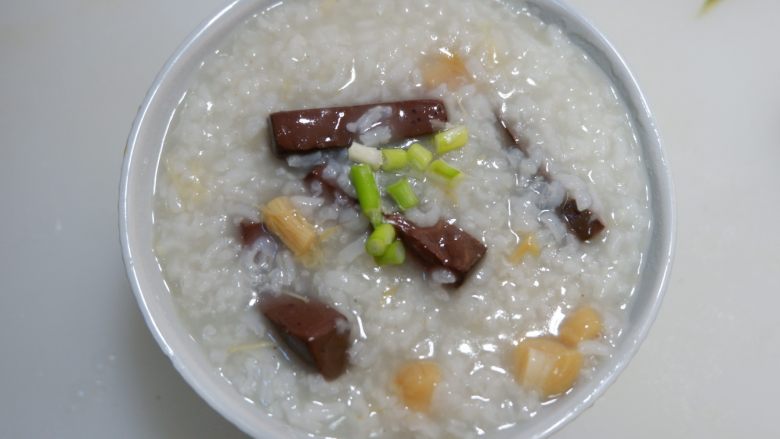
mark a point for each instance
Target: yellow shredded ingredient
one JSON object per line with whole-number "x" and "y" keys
{"x": 416, "y": 381}
{"x": 444, "y": 68}
{"x": 582, "y": 324}
{"x": 546, "y": 365}
{"x": 528, "y": 246}
{"x": 291, "y": 227}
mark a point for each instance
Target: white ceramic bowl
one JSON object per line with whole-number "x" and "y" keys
{"x": 142, "y": 155}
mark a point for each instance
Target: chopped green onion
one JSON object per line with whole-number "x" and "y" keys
{"x": 403, "y": 194}
{"x": 451, "y": 139}
{"x": 419, "y": 157}
{"x": 442, "y": 169}
{"x": 365, "y": 154}
{"x": 394, "y": 159}
{"x": 362, "y": 178}
{"x": 381, "y": 238}
{"x": 394, "y": 255}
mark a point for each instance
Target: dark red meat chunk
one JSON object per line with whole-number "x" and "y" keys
{"x": 441, "y": 245}
{"x": 250, "y": 231}
{"x": 316, "y": 332}
{"x": 580, "y": 222}
{"x": 518, "y": 142}
{"x": 304, "y": 131}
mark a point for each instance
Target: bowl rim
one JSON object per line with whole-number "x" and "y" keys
{"x": 172, "y": 340}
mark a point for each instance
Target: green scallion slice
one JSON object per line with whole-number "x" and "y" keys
{"x": 381, "y": 238}
{"x": 419, "y": 157}
{"x": 394, "y": 159}
{"x": 402, "y": 193}
{"x": 440, "y": 168}
{"x": 362, "y": 178}
{"x": 451, "y": 139}
{"x": 394, "y": 255}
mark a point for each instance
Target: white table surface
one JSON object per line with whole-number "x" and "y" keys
{"x": 78, "y": 362}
